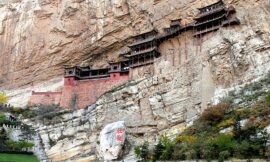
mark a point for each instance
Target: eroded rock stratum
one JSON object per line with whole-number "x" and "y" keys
{"x": 38, "y": 37}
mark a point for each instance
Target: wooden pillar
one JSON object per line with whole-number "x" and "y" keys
{"x": 144, "y": 58}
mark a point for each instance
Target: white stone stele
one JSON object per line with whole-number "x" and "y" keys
{"x": 110, "y": 147}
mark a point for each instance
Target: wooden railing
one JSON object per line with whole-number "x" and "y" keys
{"x": 210, "y": 12}
{"x": 224, "y": 23}
{"x": 143, "y": 41}
{"x": 207, "y": 30}
{"x": 142, "y": 63}
{"x": 134, "y": 53}
{"x": 94, "y": 77}
{"x": 206, "y": 22}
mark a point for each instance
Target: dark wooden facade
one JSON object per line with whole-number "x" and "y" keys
{"x": 81, "y": 73}
{"x": 213, "y": 17}
{"x": 174, "y": 30}
{"x": 144, "y": 50}
{"x": 119, "y": 66}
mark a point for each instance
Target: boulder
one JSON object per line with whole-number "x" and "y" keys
{"x": 112, "y": 139}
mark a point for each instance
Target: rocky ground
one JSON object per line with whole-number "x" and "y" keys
{"x": 149, "y": 108}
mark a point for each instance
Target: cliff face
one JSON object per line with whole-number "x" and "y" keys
{"x": 167, "y": 102}
{"x": 38, "y": 37}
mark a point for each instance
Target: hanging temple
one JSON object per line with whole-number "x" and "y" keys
{"x": 83, "y": 85}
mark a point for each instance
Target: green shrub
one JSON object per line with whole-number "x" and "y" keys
{"x": 19, "y": 144}
{"x": 226, "y": 123}
{"x": 256, "y": 86}
{"x": 48, "y": 111}
{"x": 191, "y": 154}
{"x": 214, "y": 114}
{"x": 11, "y": 144}
{"x": 3, "y": 98}
{"x": 243, "y": 113}
{"x": 179, "y": 151}
{"x": 203, "y": 139}
{"x": 215, "y": 147}
{"x": 2, "y": 118}
{"x": 245, "y": 149}
{"x": 223, "y": 142}
{"x": 267, "y": 153}
{"x": 29, "y": 113}
{"x": 224, "y": 155}
{"x": 186, "y": 138}
{"x": 267, "y": 99}
{"x": 137, "y": 151}
{"x": 168, "y": 148}
{"x": 142, "y": 151}
{"x": 158, "y": 151}
{"x": 25, "y": 144}
{"x": 228, "y": 99}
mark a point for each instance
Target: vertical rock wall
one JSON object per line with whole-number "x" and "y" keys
{"x": 37, "y": 37}
{"x": 190, "y": 74}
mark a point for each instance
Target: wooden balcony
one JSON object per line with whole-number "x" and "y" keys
{"x": 231, "y": 21}
{"x": 211, "y": 12}
{"x": 145, "y": 51}
{"x": 202, "y": 32}
{"x": 210, "y": 21}
{"x": 94, "y": 77}
{"x": 144, "y": 41}
{"x": 142, "y": 63}
{"x": 170, "y": 33}
{"x": 172, "y": 29}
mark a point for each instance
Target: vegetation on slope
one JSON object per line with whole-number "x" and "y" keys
{"x": 8, "y": 120}
{"x": 18, "y": 158}
{"x": 234, "y": 128}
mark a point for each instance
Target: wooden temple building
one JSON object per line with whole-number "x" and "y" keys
{"x": 144, "y": 50}
{"x": 85, "y": 84}
{"x": 212, "y": 17}
{"x": 85, "y": 73}
{"x": 82, "y": 73}
{"x": 176, "y": 28}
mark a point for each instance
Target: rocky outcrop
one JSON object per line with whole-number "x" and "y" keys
{"x": 150, "y": 107}
{"x": 190, "y": 74}
{"x": 112, "y": 139}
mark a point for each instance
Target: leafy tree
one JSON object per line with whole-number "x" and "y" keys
{"x": 159, "y": 148}
{"x": 142, "y": 151}
{"x": 3, "y": 98}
